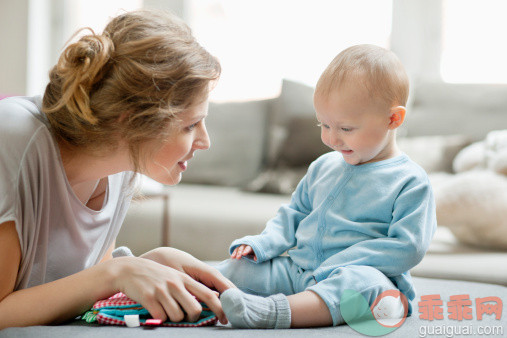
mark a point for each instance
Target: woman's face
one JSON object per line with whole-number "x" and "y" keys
{"x": 188, "y": 133}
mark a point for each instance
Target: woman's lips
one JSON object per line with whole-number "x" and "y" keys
{"x": 183, "y": 165}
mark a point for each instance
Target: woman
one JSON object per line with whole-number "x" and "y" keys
{"x": 130, "y": 100}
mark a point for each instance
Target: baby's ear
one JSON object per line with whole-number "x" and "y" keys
{"x": 397, "y": 116}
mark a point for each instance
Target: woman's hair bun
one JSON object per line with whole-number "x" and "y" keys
{"x": 81, "y": 65}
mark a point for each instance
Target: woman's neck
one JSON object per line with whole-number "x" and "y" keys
{"x": 84, "y": 168}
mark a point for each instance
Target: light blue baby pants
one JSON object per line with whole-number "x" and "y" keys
{"x": 282, "y": 275}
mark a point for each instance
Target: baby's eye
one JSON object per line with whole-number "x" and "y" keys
{"x": 347, "y": 129}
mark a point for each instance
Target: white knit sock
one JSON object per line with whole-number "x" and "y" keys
{"x": 122, "y": 251}
{"x": 253, "y": 312}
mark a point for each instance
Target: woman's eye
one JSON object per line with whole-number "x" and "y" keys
{"x": 192, "y": 126}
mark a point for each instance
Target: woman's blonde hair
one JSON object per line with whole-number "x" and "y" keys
{"x": 127, "y": 83}
{"x": 379, "y": 70}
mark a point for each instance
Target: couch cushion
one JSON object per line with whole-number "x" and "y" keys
{"x": 237, "y": 132}
{"x": 303, "y": 143}
{"x": 447, "y": 258}
{"x": 296, "y": 99}
{"x": 299, "y": 149}
{"x": 280, "y": 180}
{"x": 433, "y": 153}
{"x": 445, "y": 109}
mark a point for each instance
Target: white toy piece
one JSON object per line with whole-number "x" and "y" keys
{"x": 132, "y": 320}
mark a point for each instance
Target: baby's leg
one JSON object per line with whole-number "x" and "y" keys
{"x": 245, "y": 309}
{"x": 261, "y": 279}
{"x": 364, "y": 280}
{"x": 278, "y": 278}
{"x": 317, "y": 305}
{"x": 309, "y": 310}
{"x": 305, "y": 309}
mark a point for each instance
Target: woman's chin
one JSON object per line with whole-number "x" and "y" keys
{"x": 172, "y": 179}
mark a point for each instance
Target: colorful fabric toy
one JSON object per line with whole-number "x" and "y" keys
{"x": 112, "y": 311}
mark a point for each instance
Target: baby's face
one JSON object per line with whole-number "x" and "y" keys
{"x": 355, "y": 125}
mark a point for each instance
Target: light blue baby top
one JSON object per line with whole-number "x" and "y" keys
{"x": 379, "y": 214}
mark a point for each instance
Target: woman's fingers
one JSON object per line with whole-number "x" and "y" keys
{"x": 166, "y": 292}
{"x": 190, "y": 305}
{"x": 155, "y": 309}
{"x": 171, "y": 307}
{"x": 210, "y": 277}
{"x": 208, "y": 297}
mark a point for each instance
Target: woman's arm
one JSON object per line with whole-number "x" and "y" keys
{"x": 10, "y": 257}
{"x": 109, "y": 253}
{"x": 162, "y": 290}
{"x": 48, "y": 303}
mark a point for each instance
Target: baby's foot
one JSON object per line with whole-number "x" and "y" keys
{"x": 254, "y": 312}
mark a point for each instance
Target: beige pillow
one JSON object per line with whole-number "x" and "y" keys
{"x": 473, "y": 205}
{"x": 303, "y": 144}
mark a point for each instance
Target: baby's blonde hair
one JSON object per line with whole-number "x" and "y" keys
{"x": 379, "y": 70}
{"x": 127, "y": 83}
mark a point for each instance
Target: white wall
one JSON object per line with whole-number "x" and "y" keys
{"x": 13, "y": 46}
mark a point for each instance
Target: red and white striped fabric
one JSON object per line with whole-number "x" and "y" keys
{"x": 110, "y": 312}
{"x": 119, "y": 299}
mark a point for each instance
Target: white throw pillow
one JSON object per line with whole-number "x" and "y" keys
{"x": 473, "y": 205}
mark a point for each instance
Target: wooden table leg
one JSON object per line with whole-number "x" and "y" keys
{"x": 165, "y": 220}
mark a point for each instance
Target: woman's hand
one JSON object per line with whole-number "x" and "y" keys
{"x": 243, "y": 250}
{"x": 185, "y": 262}
{"x": 164, "y": 291}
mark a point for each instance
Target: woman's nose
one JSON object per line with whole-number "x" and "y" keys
{"x": 202, "y": 140}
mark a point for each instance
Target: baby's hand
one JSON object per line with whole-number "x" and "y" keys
{"x": 243, "y": 250}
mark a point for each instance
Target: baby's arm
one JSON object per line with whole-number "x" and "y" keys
{"x": 243, "y": 250}
{"x": 280, "y": 232}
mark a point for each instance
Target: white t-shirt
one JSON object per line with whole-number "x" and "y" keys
{"x": 58, "y": 234}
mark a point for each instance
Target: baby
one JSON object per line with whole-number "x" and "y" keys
{"x": 360, "y": 219}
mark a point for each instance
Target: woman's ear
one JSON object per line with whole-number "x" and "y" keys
{"x": 397, "y": 116}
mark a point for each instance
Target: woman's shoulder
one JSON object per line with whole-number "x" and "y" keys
{"x": 21, "y": 118}
{"x": 22, "y": 131}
